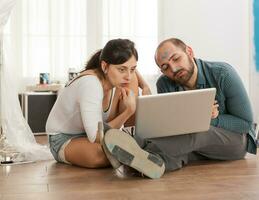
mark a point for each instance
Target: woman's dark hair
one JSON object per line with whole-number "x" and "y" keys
{"x": 115, "y": 52}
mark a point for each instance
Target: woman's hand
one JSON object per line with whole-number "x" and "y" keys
{"x": 126, "y": 107}
{"x": 128, "y": 100}
{"x": 215, "y": 110}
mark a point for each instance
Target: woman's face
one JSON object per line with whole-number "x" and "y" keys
{"x": 121, "y": 75}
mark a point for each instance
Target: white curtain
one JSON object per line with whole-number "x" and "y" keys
{"x": 14, "y": 126}
{"x": 5, "y": 9}
{"x": 49, "y": 36}
{"x": 137, "y": 20}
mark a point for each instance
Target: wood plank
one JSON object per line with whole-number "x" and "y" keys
{"x": 203, "y": 180}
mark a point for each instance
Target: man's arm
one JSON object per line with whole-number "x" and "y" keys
{"x": 239, "y": 117}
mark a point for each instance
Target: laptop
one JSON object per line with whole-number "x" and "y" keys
{"x": 176, "y": 113}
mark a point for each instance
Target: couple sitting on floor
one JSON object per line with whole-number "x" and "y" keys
{"x": 106, "y": 92}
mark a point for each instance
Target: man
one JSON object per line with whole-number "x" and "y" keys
{"x": 231, "y": 134}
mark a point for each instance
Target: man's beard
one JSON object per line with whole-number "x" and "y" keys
{"x": 184, "y": 79}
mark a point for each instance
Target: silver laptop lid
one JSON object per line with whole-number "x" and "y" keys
{"x": 175, "y": 113}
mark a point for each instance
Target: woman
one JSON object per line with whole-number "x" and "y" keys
{"x": 90, "y": 98}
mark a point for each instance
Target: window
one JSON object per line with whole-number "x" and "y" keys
{"x": 53, "y": 36}
{"x": 135, "y": 20}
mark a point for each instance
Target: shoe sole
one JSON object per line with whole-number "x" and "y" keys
{"x": 125, "y": 149}
{"x": 114, "y": 162}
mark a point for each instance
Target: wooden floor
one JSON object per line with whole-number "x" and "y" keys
{"x": 207, "y": 180}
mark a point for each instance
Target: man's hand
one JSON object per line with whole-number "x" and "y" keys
{"x": 215, "y": 110}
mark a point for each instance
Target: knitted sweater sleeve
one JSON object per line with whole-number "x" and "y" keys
{"x": 239, "y": 117}
{"x": 90, "y": 95}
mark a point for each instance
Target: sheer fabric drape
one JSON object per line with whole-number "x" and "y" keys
{"x": 14, "y": 126}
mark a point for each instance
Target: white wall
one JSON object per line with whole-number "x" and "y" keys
{"x": 217, "y": 31}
